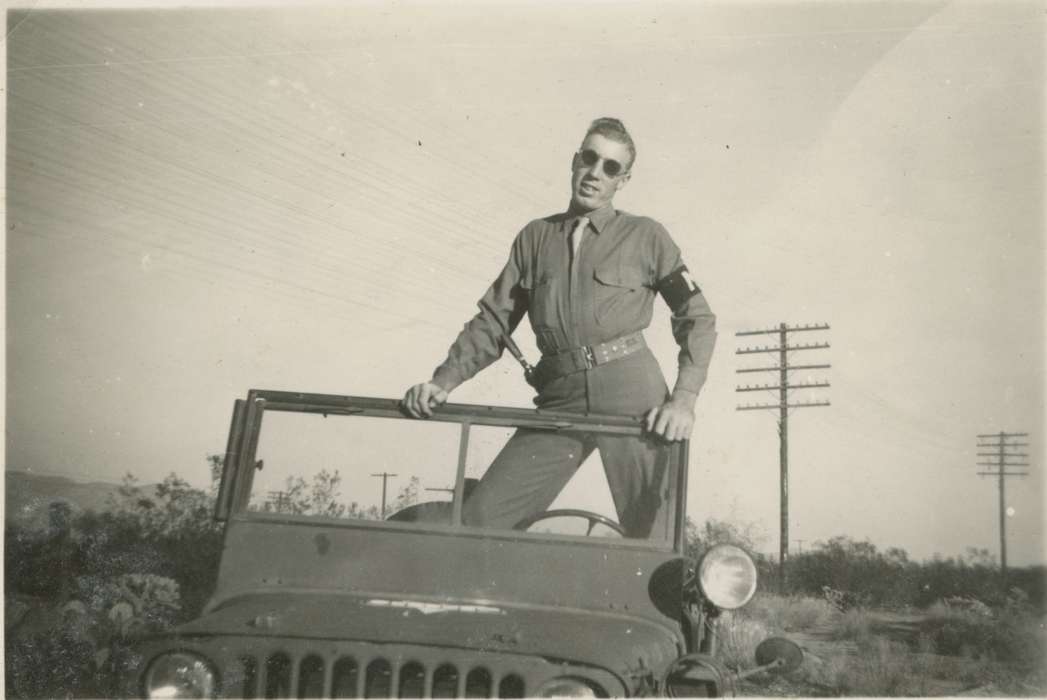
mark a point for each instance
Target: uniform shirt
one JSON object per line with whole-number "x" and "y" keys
{"x": 609, "y": 293}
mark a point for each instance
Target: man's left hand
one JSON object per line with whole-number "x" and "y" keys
{"x": 673, "y": 420}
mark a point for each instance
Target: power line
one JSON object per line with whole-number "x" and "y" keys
{"x": 783, "y": 387}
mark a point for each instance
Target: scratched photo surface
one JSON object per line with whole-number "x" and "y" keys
{"x": 208, "y": 199}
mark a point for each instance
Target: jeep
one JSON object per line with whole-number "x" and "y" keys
{"x": 318, "y": 599}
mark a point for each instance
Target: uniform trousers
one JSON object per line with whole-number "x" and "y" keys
{"x": 534, "y": 465}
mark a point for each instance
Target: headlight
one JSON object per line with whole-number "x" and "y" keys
{"x": 179, "y": 675}
{"x": 567, "y": 688}
{"x": 727, "y": 576}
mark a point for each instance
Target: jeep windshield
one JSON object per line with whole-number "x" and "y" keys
{"x": 362, "y": 462}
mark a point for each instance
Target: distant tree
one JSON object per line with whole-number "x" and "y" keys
{"x": 844, "y": 564}
{"x": 293, "y": 499}
{"x": 408, "y": 495}
{"x": 747, "y": 535}
{"x": 897, "y": 556}
{"x": 217, "y": 464}
{"x": 355, "y": 510}
{"x": 174, "y": 507}
{"x": 299, "y": 497}
{"x": 974, "y": 556}
{"x": 325, "y": 494}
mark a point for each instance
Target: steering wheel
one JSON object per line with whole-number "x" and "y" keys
{"x": 594, "y": 519}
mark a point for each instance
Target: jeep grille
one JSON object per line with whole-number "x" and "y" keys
{"x": 314, "y": 676}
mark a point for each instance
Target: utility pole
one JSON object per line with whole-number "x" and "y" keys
{"x": 385, "y": 478}
{"x": 1004, "y": 459}
{"x": 799, "y": 546}
{"x": 278, "y": 499}
{"x": 783, "y": 387}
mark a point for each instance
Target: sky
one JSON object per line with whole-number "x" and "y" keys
{"x": 205, "y": 200}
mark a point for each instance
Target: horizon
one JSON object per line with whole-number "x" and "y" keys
{"x": 771, "y": 554}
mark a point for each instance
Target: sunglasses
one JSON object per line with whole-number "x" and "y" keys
{"x": 589, "y": 158}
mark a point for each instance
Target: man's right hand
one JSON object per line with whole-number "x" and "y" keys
{"x": 420, "y": 399}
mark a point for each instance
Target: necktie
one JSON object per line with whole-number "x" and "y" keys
{"x": 577, "y": 234}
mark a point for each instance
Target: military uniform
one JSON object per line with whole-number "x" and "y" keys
{"x": 587, "y": 314}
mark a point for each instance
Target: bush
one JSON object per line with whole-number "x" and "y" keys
{"x": 49, "y": 665}
{"x": 1012, "y": 636}
{"x": 96, "y": 581}
{"x": 80, "y": 645}
{"x": 889, "y": 579}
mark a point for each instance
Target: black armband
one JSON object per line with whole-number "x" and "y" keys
{"x": 677, "y": 287}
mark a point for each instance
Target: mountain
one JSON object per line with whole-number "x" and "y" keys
{"x": 28, "y": 495}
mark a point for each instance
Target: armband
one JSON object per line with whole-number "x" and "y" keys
{"x": 677, "y": 288}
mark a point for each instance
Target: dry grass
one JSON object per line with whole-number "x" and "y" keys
{"x": 880, "y": 668}
{"x": 737, "y": 637}
{"x": 791, "y": 613}
{"x": 852, "y": 624}
{"x": 953, "y": 651}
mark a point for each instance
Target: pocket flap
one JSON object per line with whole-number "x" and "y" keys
{"x": 617, "y": 276}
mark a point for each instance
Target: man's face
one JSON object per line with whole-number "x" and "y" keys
{"x": 591, "y": 186}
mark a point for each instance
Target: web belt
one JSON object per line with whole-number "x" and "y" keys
{"x": 588, "y": 356}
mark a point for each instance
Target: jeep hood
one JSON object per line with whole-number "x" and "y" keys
{"x": 612, "y": 640}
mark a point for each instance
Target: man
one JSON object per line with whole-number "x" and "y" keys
{"x": 587, "y": 279}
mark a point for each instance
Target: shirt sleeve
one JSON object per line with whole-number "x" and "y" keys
{"x": 482, "y": 340}
{"x": 693, "y": 322}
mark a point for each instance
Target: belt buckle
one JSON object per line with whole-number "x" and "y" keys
{"x": 589, "y": 357}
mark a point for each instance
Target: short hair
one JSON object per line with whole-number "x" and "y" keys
{"x": 613, "y": 129}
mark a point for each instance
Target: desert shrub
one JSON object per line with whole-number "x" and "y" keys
{"x": 1013, "y": 636}
{"x": 48, "y": 665}
{"x": 98, "y": 580}
{"x": 167, "y": 532}
{"x": 83, "y": 642}
{"x": 1032, "y": 581}
{"x": 888, "y": 578}
{"x": 856, "y": 568}
{"x": 952, "y": 577}
{"x": 792, "y": 613}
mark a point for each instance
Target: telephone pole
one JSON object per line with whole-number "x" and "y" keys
{"x": 783, "y": 387}
{"x": 1005, "y": 458}
{"x": 278, "y": 499}
{"x": 385, "y": 478}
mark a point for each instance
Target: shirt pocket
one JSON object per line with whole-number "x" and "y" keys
{"x": 617, "y": 293}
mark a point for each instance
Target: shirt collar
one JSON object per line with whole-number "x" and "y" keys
{"x": 598, "y": 218}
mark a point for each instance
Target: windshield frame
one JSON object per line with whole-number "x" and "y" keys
{"x": 240, "y": 458}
